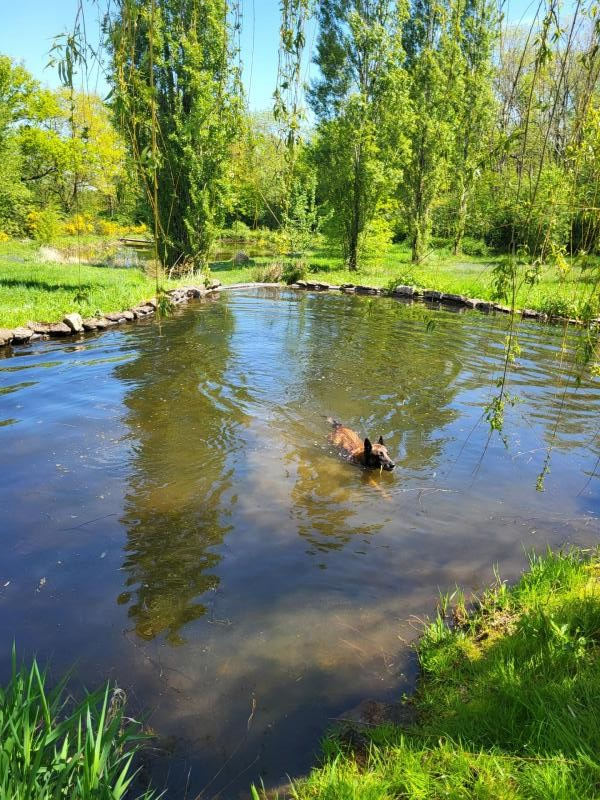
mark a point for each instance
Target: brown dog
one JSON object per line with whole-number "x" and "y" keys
{"x": 373, "y": 456}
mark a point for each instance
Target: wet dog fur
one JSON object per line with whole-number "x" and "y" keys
{"x": 352, "y": 447}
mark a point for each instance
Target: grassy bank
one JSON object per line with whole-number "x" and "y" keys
{"x": 507, "y": 704}
{"x": 32, "y": 289}
{"x": 468, "y": 275}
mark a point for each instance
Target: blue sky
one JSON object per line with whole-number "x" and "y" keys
{"x": 27, "y": 28}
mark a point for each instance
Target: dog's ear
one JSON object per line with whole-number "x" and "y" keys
{"x": 368, "y": 447}
{"x": 380, "y": 440}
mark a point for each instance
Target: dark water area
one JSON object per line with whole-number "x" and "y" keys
{"x": 174, "y": 519}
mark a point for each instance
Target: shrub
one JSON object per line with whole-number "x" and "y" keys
{"x": 269, "y": 273}
{"x": 474, "y": 247}
{"x": 44, "y": 225}
{"x": 79, "y": 224}
{"x": 405, "y": 278}
{"x": 106, "y": 227}
{"x": 293, "y": 272}
{"x": 4, "y": 237}
{"x": 238, "y": 232}
{"x": 377, "y": 240}
{"x": 558, "y": 307}
{"x": 440, "y": 242}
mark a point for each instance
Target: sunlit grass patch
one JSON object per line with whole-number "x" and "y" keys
{"x": 471, "y": 276}
{"x": 507, "y": 702}
{"x": 34, "y": 290}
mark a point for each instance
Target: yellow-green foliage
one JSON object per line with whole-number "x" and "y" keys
{"x": 46, "y": 225}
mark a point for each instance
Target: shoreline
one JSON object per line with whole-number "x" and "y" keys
{"x": 72, "y": 324}
{"x": 494, "y": 672}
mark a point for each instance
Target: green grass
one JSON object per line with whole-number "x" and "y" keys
{"x": 52, "y": 747}
{"x": 507, "y": 703}
{"x": 467, "y": 275}
{"x": 44, "y": 292}
{"x": 31, "y": 289}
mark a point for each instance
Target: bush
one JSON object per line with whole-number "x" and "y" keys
{"x": 405, "y": 278}
{"x": 108, "y": 228}
{"x": 112, "y": 229}
{"x": 44, "y": 225}
{"x": 474, "y": 247}
{"x": 278, "y": 271}
{"x": 51, "y": 747}
{"x": 293, "y": 272}
{"x": 377, "y": 240}
{"x": 237, "y": 232}
{"x": 269, "y": 273}
{"x": 558, "y": 307}
{"x": 78, "y": 225}
{"x": 440, "y": 243}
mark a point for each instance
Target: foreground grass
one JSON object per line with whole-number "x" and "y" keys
{"x": 468, "y": 275}
{"x": 52, "y": 747}
{"x": 33, "y": 290}
{"x": 507, "y": 704}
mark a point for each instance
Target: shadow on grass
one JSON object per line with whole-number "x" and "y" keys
{"x": 30, "y": 283}
{"x": 535, "y": 689}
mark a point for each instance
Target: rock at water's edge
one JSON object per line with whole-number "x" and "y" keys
{"x": 6, "y": 336}
{"x": 74, "y": 321}
{"x": 50, "y": 328}
{"x": 21, "y": 335}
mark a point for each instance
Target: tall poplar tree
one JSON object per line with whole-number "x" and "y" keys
{"x": 176, "y": 98}
{"x": 477, "y": 105}
{"x": 435, "y": 66}
{"x": 360, "y": 101}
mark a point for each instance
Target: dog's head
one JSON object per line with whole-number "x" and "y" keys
{"x": 377, "y": 456}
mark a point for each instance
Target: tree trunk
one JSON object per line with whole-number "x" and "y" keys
{"x": 461, "y": 221}
{"x": 420, "y": 236}
{"x": 355, "y": 223}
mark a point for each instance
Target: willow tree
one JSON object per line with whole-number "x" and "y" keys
{"x": 360, "y": 101}
{"x": 176, "y": 98}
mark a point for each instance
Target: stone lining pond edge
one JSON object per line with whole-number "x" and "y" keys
{"x": 432, "y": 295}
{"x": 73, "y": 324}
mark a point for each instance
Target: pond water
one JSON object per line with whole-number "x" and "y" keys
{"x": 174, "y": 519}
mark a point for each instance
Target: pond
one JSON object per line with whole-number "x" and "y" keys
{"x": 174, "y": 519}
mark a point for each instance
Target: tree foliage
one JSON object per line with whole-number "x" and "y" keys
{"x": 176, "y": 102}
{"x": 361, "y": 104}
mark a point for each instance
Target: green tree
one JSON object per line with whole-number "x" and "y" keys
{"x": 71, "y": 151}
{"x": 256, "y": 173}
{"x": 17, "y": 89}
{"x": 176, "y": 101}
{"x": 478, "y": 35}
{"x": 360, "y": 101}
{"x": 435, "y": 65}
